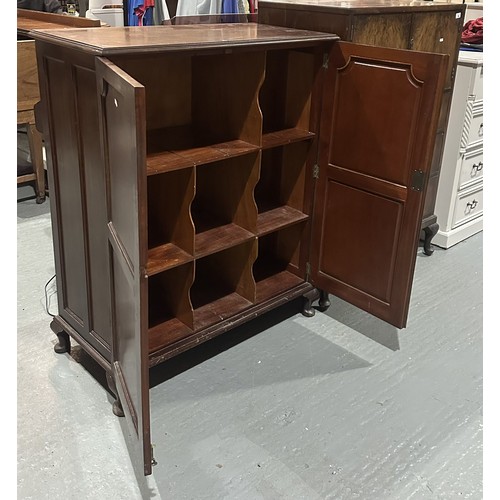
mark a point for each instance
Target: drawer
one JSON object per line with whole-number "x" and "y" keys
{"x": 471, "y": 170}
{"x": 468, "y": 206}
{"x": 472, "y": 133}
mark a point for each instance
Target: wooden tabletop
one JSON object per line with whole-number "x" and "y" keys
{"x": 116, "y": 40}
{"x": 28, "y": 20}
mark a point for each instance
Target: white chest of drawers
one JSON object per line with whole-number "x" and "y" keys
{"x": 459, "y": 203}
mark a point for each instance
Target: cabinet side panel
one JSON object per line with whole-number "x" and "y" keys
{"x": 99, "y": 302}
{"x": 388, "y": 30}
{"x": 65, "y": 162}
{"x": 439, "y": 33}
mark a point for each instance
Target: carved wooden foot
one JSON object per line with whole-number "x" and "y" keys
{"x": 309, "y": 297}
{"x": 324, "y": 300}
{"x": 430, "y": 232}
{"x": 63, "y": 343}
{"x": 117, "y": 405}
{"x": 118, "y": 409}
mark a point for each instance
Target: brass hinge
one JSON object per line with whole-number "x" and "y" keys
{"x": 417, "y": 180}
{"x": 316, "y": 171}
{"x": 308, "y": 271}
{"x": 326, "y": 60}
{"x": 153, "y": 461}
{"x": 453, "y": 74}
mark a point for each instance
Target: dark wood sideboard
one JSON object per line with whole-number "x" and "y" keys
{"x": 404, "y": 24}
{"x": 202, "y": 177}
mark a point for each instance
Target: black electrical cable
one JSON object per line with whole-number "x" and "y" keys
{"x": 47, "y": 299}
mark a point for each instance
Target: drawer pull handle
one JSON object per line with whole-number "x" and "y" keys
{"x": 480, "y": 133}
{"x": 471, "y": 205}
{"x": 477, "y": 166}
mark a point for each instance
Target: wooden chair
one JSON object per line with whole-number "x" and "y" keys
{"x": 28, "y": 94}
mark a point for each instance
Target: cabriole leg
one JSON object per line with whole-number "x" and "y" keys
{"x": 63, "y": 343}
{"x": 117, "y": 405}
{"x": 430, "y": 232}
{"x": 324, "y": 300}
{"x": 309, "y": 297}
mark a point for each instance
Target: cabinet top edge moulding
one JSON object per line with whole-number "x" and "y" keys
{"x": 161, "y": 39}
{"x": 362, "y": 6}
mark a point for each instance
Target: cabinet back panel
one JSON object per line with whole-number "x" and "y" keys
{"x": 225, "y": 97}
{"x": 169, "y": 296}
{"x": 278, "y": 250}
{"x": 168, "y": 87}
{"x": 282, "y": 177}
{"x": 223, "y": 273}
{"x": 224, "y": 193}
{"x": 169, "y": 199}
{"x": 285, "y": 97}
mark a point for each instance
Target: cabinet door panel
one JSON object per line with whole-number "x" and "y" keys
{"x": 122, "y": 121}
{"x": 380, "y": 114}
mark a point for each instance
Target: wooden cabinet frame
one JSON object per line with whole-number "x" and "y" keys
{"x": 202, "y": 180}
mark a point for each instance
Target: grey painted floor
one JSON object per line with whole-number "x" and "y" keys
{"x": 338, "y": 406}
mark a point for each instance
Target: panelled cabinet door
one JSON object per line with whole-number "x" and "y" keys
{"x": 377, "y": 135}
{"x": 122, "y": 119}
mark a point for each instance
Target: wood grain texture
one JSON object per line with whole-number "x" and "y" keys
{"x": 161, "y": 39}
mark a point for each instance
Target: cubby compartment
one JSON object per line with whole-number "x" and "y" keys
{"x": 223, "y": 210}
{"x": 200, "y": 108}
{"x": 286, "y": 95}
{"x": 224, "y": 284}
{"x": 278, "y": 267}
{"x": 280, "y": 192}
{"x": 170, "y": 228}
{"x": 169, "y": 306}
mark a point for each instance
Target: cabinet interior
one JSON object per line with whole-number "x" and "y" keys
{"x": 229, "y": 141}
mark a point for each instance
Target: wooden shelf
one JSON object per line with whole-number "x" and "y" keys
{"x": 219, "y": 310}
{"x": 167, "y": 333}
{"x": 278, "y": 218}
{"x": 284, "y": 137}
{"x": 158, "y": 163}
{"x": 219, "y": 238}
{"x": 166, "y": 257}
{"x": 276, "y": 283}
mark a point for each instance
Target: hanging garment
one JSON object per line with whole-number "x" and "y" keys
{"x": 230, "y": 7}
{"x": 160, "y": 12}
{"x": 198, "y": 7}
{"x": 140, "y": 12}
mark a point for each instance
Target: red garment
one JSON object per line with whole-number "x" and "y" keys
{"x": 473, "y": 31}
{"x": 140, "y": 11}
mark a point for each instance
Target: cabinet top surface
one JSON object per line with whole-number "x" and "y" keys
{"x": 108, "y": 41}
{"x": 364, "y": 6}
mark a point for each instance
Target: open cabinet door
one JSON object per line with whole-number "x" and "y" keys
{"x": 380, "y": 114}
{"x": 122, "y": 117}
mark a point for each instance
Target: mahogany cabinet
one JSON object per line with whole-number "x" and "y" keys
{"x": 406, "y": 24}
{"x": 202, "y": 177}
